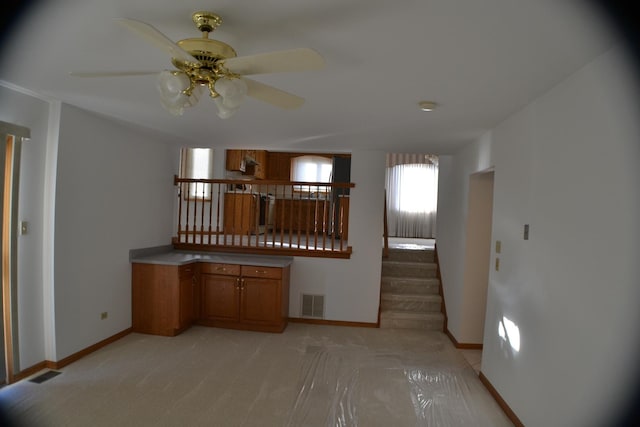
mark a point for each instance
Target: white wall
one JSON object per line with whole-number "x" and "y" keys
{"x": 114, "y": 193}
{"x": 351, "y": 287}
{"x": 31, "y": 112}
{"x": 567, "y": 165}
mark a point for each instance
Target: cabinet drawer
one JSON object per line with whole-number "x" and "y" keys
{"x": 224, "y": 269}
{"x": 186, "y": 270}
{"x": 257, "y": 271}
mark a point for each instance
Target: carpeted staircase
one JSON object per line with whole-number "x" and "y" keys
{"x": 410, "y": 291}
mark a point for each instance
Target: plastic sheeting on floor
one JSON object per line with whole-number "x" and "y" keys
{"x": 352, "y": 385}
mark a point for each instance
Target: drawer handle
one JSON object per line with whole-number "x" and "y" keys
{"x": 261, "y": 271}
{"x": 221, "y": 269}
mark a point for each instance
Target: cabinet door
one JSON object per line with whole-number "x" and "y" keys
{"x": 186, "y": 308}
{"x": 261, "y": 301}
{"x": 220, "y": 297}
{"x": 234, "y": 160}
{"x": 278, "y": 166}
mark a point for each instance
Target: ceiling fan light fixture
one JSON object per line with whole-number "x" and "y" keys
{"x": 208, "y": 64}
{"x": 224, "y": 112}
{"x": 427, "y": 105}
{"x": 172, "y": 87}
{"x": 232, "y": 91}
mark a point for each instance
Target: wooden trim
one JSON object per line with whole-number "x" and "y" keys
{"x": 80, "y": 354}
{"x": 501, "y": 402}
{"x": 462, "y": 346}
{"x": 30, "y": 371}
{"x": 332, "y": 322}
{"x": 385, "y": 250}
{"x": 343, "y": 254}
{"x": 6, "y": 261}
{"x": 443, "y": 305}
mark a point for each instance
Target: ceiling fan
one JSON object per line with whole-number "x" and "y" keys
{"x": 206, "y": 64}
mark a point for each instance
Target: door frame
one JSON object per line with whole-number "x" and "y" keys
{"x": 12, "y": 136}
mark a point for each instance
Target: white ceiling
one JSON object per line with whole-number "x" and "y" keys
{"x": 481, "y": 60}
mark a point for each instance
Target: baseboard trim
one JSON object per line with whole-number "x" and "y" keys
{"x": 29, "y": 371}
{"x": 82, "y": 353}
{"x": 501, "y": 402}
{"x": 332, "y": 322}
{"x": 462, "y": 346}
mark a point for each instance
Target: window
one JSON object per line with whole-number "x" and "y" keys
{"x": 197, "y": 163}
{"x": 311, "y": 169}
{"x": 412, "y": 198}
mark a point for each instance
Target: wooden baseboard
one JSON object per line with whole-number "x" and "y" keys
{"x": 29, "y": 371}
{"x": 507, "y": 410}
{"x": 80, "y": 354}
{"x": 332, "y": 322}
{"x": 462, "y": 346}
{"x": 48, "y": 364}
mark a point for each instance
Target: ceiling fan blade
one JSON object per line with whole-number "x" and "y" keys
{"x": 272, "y": 95}
{"x": 155, "y": 36}
{"x": 302, "y": 59}
{"x": 112, "y": 73}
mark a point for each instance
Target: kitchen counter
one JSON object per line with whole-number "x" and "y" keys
{"x": 166, "y": 255}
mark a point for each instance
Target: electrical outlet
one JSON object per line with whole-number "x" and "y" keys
{"x": 497, "y": 264}
{"x": 498, "y": 246}
{"x": 104, "y": 315}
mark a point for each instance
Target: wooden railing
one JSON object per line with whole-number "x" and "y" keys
{"x": 385, "y": 232}
{"x": 266, "y": 217}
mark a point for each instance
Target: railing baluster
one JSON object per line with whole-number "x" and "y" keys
{"x": 179, "y": 208}
{"x": 313, "y": 213}
{"x": 218, "y": 216}
{"x": 210, "y": 211}
{"x": 187, "y": 215}
{"x": 341, "y": 222}
{"x": 202, "y": 216}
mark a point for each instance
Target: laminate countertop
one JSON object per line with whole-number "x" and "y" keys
{"x": 168, "y": 256}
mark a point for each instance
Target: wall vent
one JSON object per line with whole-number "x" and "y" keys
{"x": 313, "y": 306}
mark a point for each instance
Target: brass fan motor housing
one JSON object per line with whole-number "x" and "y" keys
{"x": 208, "y": 52}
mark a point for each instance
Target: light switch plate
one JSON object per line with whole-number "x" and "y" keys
{"x": 526, "y": 232}
{"x": 498, "y": 246}
{"x": 497, "y": 264}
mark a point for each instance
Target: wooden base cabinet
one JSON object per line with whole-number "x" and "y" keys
{"x": 165, "y": 298}
{"x": 245, "y": 297}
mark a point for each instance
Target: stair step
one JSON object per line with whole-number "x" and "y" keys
{"x": 415, "y": 255}
{"x": 416, "y": 303}
{"x": 404, "y": 320}
{"x": 409, "y": 269}
{"x": 408, "y": 285}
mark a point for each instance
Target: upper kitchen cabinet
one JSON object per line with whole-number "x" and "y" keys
{"x": 279, "y": 166}
{"x": 235, "y": 161}
{"x": 249, "y": 162}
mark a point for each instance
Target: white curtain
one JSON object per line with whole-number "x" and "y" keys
{"x": 412, "y": 196}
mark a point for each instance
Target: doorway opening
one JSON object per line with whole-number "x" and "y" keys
{"x": 477, "y": 261}
{"x": 10, "y": 148}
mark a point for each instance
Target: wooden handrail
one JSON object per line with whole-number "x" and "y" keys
{"x": 385, "y": 233}
{"x": 263, "y": 216}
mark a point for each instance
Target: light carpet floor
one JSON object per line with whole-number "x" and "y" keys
{"x": 310, "y": 375}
